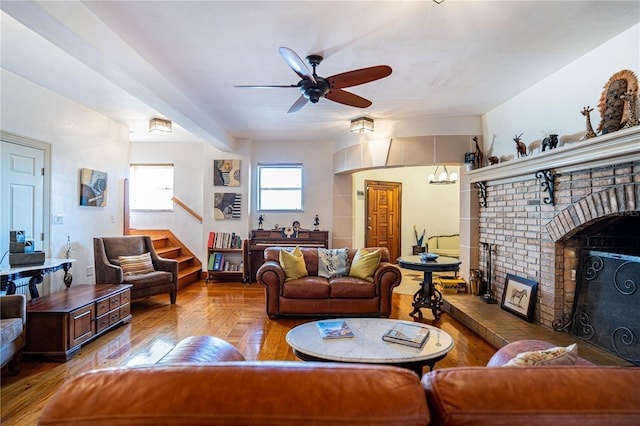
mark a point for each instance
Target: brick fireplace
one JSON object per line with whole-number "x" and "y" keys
{"x": 539, "y": 235}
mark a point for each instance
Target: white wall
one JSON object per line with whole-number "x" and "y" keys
{"x": 317, "y": 160}
{"x": 435, "y": 208}
{"x": 80, "y": 138}
{"x": 553, "y": 105}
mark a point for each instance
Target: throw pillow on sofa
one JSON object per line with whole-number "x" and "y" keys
{"x": 292, "y": 264}
{"x": 333, "y": 262}
{"x": 140, "y": 264}
{"x": 364, "y": 264}
{"x": 553, "y": 356}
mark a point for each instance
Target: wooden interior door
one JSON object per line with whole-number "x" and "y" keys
{"x": 382, "y": 223}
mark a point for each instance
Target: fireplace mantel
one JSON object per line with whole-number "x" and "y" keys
{"x": 612, "y": 148}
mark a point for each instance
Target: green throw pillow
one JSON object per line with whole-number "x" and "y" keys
{"x": 364, "y": 264}
{"x": 293, "y": 264}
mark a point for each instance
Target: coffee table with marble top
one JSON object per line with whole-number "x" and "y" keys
{"x": 367, "y": 346}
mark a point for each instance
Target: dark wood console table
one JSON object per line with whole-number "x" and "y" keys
{"x": 58, "y": 324}
{"x": 35, "y": 274}
{"x": 261, "y": 239}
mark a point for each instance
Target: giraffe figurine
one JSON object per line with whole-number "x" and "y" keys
{"x": 479, "y": 158}
{"x": 630, "y": 97}
{"x": 586, "y": 111}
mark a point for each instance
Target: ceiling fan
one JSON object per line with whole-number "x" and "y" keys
{"x": 314, "y": 87}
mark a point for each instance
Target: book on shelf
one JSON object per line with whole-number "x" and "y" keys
{"x": 212, "y": 258}
{"x": 334, "y": 329}
{"x": 211, "y": 239}
{"x": 217, "y": 262}
{"x": 407, "y": 334}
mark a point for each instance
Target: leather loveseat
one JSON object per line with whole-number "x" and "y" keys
{"x": 313, "y": 295}
{"x": 193, "y": 386}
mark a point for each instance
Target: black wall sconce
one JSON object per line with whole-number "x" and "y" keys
{"x": 482, "y": 190}
{"x": 548, "y": 184}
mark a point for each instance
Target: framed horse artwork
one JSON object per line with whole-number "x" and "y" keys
{"x": 519, "y": 297}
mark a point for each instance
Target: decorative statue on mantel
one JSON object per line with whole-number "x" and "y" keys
{"x": 521, "y": 148}
{"x": 479, "y": 157}
{"x": 586, "y": 111}
{"x": 614, "y": 111}
{"x": 493, "y": 160}
{"x": 550, "y": 141}
{"x": 630, "y": 98}
{"x": 316, "y": 223}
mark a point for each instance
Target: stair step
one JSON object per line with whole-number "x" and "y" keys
{"x": 188, "y": 276}
{"x": 169, "y": 252}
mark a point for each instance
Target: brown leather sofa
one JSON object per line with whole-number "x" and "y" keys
{"x": 164, "y": 278}
{"x": 193, "y": 386}
{"x": 318, "y": 296}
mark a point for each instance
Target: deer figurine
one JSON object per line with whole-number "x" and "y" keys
{"x": 586, "y": 111}
{"x": 520, "y": 146}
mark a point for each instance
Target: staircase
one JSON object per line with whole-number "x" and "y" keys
{"x": 170, "y": 247}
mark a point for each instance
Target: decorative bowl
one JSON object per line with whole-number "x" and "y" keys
{"x": 429, "y": 256}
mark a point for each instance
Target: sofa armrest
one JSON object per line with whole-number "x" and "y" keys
{"x": 271, "y": 276}
{"x": 106, "y": 272}
{"x": 387, "y": 276}
{"x": 14, "y": 306}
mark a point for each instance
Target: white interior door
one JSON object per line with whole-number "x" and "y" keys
{"x": 21, "y": 194}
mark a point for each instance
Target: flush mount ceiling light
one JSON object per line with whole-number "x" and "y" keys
{"x": 362, "y": 125}
{"x": 442, "y": 178}
{"x": 158, "y": 125}
{"x": 438, "y": 1}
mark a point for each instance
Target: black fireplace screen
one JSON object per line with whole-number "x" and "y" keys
{"x": 607, "y": 305}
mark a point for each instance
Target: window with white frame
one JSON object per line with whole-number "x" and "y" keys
{"x": 151, "y": 187}
{"x": 280, "y": 187}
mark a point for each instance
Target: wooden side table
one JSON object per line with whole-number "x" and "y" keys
{"x": 58, "y": 324}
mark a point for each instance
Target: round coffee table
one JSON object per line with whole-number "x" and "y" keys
{"x": 367, "y": 346}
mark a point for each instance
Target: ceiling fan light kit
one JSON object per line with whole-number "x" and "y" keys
{"x": 314, "y": 87}
{"x": 442, "y": 178}
{"x": 159, "y": 125}
{"x": 362, "y": 125}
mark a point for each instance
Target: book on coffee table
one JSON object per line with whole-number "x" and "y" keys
{"x": 334, "y": 329}
{"x": 407, "y": 334}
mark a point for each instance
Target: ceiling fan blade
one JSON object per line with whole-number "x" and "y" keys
{"x": 347, "y": 98}
{"x": 293, "y": 60}
{"x": 302, "y": 101}
{"x": 356, "y": 77}
{"x": 266, "y": 87}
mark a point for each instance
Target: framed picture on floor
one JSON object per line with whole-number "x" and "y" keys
{"x": 519, "y": 297}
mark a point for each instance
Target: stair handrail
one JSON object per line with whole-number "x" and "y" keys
{"x": 190, "y": 211}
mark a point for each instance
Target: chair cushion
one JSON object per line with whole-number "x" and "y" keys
{"x": 293, "y": 264}
{"x": 10, "y": 330}
{"x": 134, "y": 265}
{"x": 364, "y": 264}
{"x": 333, "y": 262}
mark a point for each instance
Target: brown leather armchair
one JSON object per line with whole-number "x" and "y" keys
{"x": 164, "y": 278}
{"x": 13, "y": 314}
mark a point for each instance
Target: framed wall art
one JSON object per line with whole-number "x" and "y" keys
{"x": 93, "y": 188}
{"x": 226, "y": 172}
{"x": 519, "y": 296}
{"x": 227, "y": 206}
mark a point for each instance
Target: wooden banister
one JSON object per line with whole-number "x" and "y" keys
{"x": 184, "y": 206}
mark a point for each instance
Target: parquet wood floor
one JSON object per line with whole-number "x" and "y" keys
{"x": 231, "y": 311}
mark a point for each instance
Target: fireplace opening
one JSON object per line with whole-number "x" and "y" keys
{"x": 603, "y": 285}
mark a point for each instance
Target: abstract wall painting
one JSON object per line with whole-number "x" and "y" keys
{"x": 226, "y": 172}
{"x": 227, "y": 206}
{"x": 93, "y": 188}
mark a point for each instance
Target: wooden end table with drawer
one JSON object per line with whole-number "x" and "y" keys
{"x": 59, "y": 323}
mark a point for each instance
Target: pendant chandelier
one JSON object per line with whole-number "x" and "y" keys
{"x": 443, "y": 177}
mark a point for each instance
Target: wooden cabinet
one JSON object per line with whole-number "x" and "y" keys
{"x": 58, "y": 324}
{"x": 261, "y": 239}
{"x": 232, "y": 266}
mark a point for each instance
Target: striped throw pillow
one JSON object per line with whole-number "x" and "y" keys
{"x": 133, "y": 265}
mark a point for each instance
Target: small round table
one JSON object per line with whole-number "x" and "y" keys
{"x": 427, "y": 296}
{"x": 367, "y": 346}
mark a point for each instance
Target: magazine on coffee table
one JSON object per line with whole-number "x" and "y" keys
{"x": 407, "y": 334}
{"x": 334, "y": 329}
